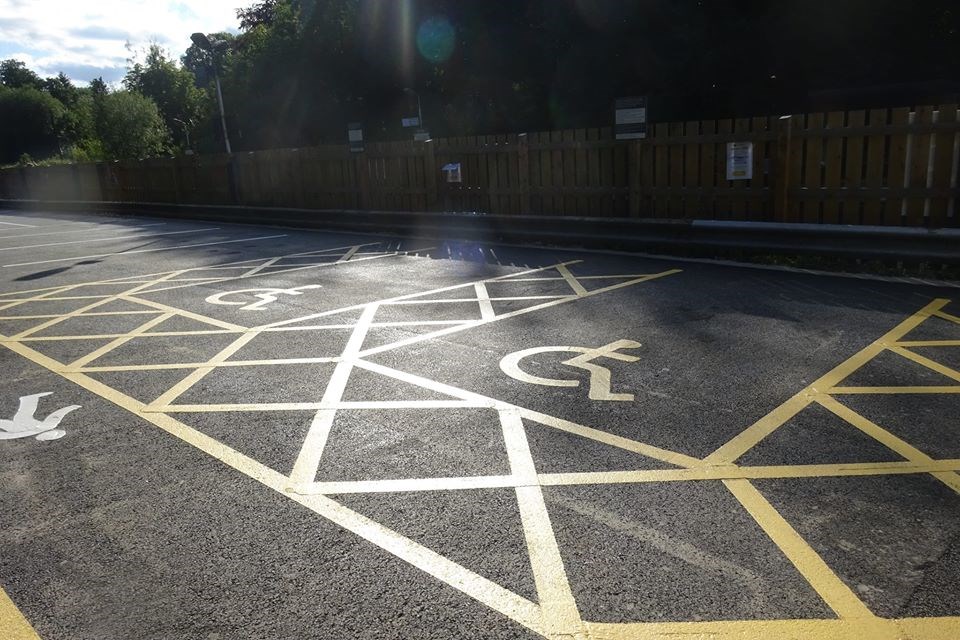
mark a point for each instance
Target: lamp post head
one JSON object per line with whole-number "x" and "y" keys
{"x": 202, "y": 41}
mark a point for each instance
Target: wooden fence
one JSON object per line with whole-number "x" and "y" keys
{"x": 880, "y": 167}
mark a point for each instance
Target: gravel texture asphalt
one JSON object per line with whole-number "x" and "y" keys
{"x": 296, "y": 434}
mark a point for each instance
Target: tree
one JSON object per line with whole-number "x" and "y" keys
{"x": 130, "y": 126}
{"x": 30, "y": 122}
{"x": 15, "y": 75}
{"x": 172, "y": 88}
{"x": 61, "y": 88}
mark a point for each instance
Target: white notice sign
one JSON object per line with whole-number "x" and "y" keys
{"x": 739, "y": 160}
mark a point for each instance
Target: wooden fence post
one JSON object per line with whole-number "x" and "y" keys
{"x": 633, "y": 177}
{"x": 430, "y": 174}
{"x": 363, "y": 178}
{"x": 523, "y": 172}
{"x": 781, "y": 182}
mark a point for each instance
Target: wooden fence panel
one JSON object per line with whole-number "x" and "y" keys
{"x": 852, "y": 178}
{"x": 946, "y": 145}
{"x": 917, "y": 167}
{"x": 893, "y": 167}
{"x": 832, "y": 167}
{"x": 874, "y": 208}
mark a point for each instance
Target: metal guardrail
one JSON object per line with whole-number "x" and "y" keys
{"x": 697, "y": 237}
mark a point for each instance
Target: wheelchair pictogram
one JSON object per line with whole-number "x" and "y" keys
{"x": 599, "y": 375}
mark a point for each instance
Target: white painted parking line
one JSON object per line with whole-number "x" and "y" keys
{"x": 144, "y": 237}
{"x": 126, "y": 253}
{"x": 17, "y": 224}
{"x": 99, "y": 227}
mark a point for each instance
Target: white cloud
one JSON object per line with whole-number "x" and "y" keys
{"x": 87, "y": 38}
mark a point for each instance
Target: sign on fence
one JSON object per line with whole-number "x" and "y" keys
{"x": 739, "y": 160}
{"x": 355, "y": 136}
{"x": 410, "y": 122}
{"x": 452, "y": 172}
{"x": 630, "y": 118}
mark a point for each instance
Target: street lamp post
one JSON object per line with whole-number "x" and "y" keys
{"x": 186, "y": 131}
{"x": 202, "y": 41}
{"x": 411, "y": 92}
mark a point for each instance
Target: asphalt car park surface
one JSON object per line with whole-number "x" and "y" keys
{"x": 293, "y": 434}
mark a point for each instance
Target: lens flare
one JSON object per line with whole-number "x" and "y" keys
{"x": 436, "y": 39}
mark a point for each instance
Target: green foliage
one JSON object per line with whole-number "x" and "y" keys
{"x": 31, "y": 122}
{"x": 182, "y": 105}
{"x": 129, "y": 126}
{"x": 14, "y": 74}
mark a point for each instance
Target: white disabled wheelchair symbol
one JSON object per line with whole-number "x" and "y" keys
{"x": 265, "y": 296}
{"x": 599, "y": 376}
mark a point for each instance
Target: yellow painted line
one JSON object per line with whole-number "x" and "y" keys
{"x": 477, "y": 299}
{"x": 85, "y": 315}
{"x": 41, "y": 296}
{"x": 186, "y": 314}
{"x": 349, "y": 254}
{"x": 110, "y": 346}
{"x": 947, "y": 316}
{"x": 270, "y": 273}
{"x": 927, "y": 362}
{"x": 59, "y": 298}
{"x": 650, "y": 451}
{"x": 557, "y": 279}
{"x": 408, "y": 296}
{"x": 198, "y": 365}
{"x": 13, "y": 626}
{"x": 194, "y": 377}
{"x": 928, "y": 343}
{"x": 892, "y": 442}
{"x": 849, "y": 629}
{"x": 512, "y": 314}
{"x": 644, "y": 449}
{"x": 471, "y": 584}
{"x": 107, "y": 239}
{"x": 571, "y": 280}
{"x": 929, "y": 628}
{"x": 415, "y": 404}
{"x": 261, "y": 267}
{"x": 733, "y": 472}
{"x": 408, "y": 484}
{"x": 483, "y": 298}
{"x": 766, "y": 425}
{"x": 86, "y": 308}
{"x": 890, "y": 390}
{"x": 137, "y": 251}
{"x": 157, "y": 407}
{"x": 834, "y": 592}
{"x": 553, "y": 588}
{"x": 308, "y": 460}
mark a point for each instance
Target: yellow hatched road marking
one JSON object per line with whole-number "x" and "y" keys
{"x": 12, "y": 623}
{"x": 889, "y": 440}
{"x": 824, "y": 581}
{"x": 927, "y": 362}
{"x": 892, "y": 390}
{"x": 481, "y": 589}
{"x": 947, "y": 316}
{"x": 748, "y": 438}
{"x": 557, "y": 614}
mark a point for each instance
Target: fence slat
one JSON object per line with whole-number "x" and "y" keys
{"x": 897, "y": 168}
{"x": 917, "y": 208}
{"x": 833, "y": 164}
{"x": 946, "y": 144}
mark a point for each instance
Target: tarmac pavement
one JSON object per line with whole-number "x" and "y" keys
{"x": 297, "y": 434}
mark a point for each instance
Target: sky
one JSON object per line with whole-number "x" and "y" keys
{"x": 89, "y": 38}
